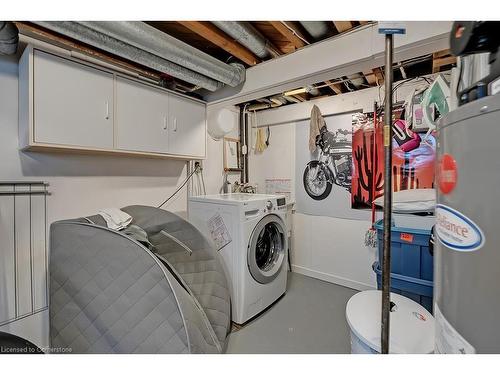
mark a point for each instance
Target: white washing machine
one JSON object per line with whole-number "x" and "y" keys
{"x": 256, "y": 256}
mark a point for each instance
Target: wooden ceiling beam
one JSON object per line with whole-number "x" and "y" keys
{"x": 213, "y": 34}
{"x": 301, "y": 97}
{"x": 335, "y": 87}
{"x": 370, "y": 77}
{"x": 438, "y": 62}
{"x": 343, "y": 26}
{"x": 379, "y": 76}
{"x": 290, "y": 35}
{"x": 442, "y": 53}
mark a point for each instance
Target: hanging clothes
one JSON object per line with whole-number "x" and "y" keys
{"x": 317, "y": 122}
{"x": 261, "y": 140}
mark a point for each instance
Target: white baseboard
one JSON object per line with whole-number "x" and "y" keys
{"x": 332, "y": 278}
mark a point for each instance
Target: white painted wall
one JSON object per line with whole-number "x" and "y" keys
{"x": 277, "y": 161}
{"x": 82, "y": 184}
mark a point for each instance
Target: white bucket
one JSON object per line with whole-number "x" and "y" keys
{"x": 411, "y": 325}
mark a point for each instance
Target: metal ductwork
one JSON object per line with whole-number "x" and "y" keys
{"x": 119, "y": 48}
{"x": 317, "y": 29}
{"x": 248, "y": 36}
{"x": 152, "y": 40}
{"x": 357, "y": 80}
{"x": 9, "y": 38}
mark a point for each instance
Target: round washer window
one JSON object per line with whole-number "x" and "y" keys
{"x": 267, "y": 249}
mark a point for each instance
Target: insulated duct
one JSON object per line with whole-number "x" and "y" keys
{"x": 152, "y": 40}
{"x": 248, "y": 36}
{"x": 126, "y": 51}
{"x": 9, "y": 38}
{"x": 357, "y": 80}
{"x": 317, "y": 29}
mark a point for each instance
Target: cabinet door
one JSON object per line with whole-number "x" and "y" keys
{"x": 72, "y": 103}
{"x": 187, "y": 127}
{"x": 141, "y": 117}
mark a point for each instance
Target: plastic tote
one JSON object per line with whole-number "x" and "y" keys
{"x": 419, "y": 290}
{"x": 411, "y": 326}
{"x": 410, "y": 254}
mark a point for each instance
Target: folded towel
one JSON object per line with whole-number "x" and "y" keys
{"x": 115, "y": 218}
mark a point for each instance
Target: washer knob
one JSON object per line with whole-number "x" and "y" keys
{"x": 269, "y": 205}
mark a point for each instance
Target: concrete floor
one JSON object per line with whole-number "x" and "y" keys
{"x": 309, "y": 318}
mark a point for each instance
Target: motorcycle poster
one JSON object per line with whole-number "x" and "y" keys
{"x": 413, "y": 159}
{"x": 323, "y": 177}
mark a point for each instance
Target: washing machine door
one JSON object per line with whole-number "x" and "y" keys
{"x": 267, "y": 249}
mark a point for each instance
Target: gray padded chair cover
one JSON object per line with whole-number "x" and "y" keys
{"x": 109, "y": 293}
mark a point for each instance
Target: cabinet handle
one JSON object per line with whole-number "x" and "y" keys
{"x": 174, "y": 128}
{"x": 165, "y": 122}
{"x": 107, "y": 111}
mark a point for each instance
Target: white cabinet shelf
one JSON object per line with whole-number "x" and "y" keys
{"x": 141, "y": 117}
{"x": 73, "y": 106}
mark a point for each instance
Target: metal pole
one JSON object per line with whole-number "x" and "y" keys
{"x": 386, "y": 262}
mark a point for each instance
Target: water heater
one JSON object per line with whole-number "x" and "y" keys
{"x": 467, "y": 253}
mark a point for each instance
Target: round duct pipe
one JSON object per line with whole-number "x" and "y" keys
{"x": 9, "y": 38}
{"x": 116, "y": 47}
{"x": 248, "y": 36}
{"x": 357, "y": 80}
{"x": 317, "y": 29}
{"x": 152, "y": 40}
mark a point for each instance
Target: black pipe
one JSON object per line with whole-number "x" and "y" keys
{"x": 386, "y": 261}
{"x": 245, "y": 145}
{"x": 242, "y": 142}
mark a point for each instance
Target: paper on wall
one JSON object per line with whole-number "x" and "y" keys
{"x": 279, "y": 186}
{"x": 218, "y": 231}
{"x": 448, "y": 340}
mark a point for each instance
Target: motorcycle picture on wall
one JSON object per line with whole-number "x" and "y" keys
{"x": 333, "y": 165}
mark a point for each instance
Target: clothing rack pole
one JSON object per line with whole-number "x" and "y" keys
{"x": 386, "y": 262}
{"x": 374, "y": 150}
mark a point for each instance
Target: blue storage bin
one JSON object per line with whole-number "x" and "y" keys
{"x": 410, "y": 255}
{"x": 419, "y": 290}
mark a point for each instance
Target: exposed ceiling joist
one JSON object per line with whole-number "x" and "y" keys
{"x": 442, "y": 53}
{"x": 219, "y": 38}
{"x": 342, "y": 26}
{"x": 335, "y": 87}
{"x": 370, "y": 77}
{"x": 288, "y": 34}
{"x": 301, "y": 97}
{"x": 440, "y": 59}
{"x": 379, "y": 76}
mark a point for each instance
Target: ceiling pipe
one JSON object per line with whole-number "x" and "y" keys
{"x": 9, "y": 38}
{"x": 152, "y": 40}
{"x": 126, "y": 51}
{"x": 248, "y": 36}
{"x": 317, "y": 29}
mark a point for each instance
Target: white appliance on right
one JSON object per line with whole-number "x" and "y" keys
{"x": 250, "y": 232}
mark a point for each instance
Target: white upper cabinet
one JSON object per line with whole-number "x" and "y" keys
{"x": 73, "y": 103}
{"x": 141, "y": 117}
{"x": 187, "y": 127}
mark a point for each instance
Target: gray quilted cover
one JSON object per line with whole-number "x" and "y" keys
{"x": 111, "y": 294}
